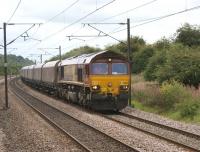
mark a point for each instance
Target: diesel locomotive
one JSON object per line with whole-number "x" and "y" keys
{"x": 97, "y": 80}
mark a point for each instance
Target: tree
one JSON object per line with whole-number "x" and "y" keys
{"x": 188, "y": 35}
{"x": 155, "y": 62}
{"x": 141, "y": 59}
{"x": 14, "y": 63}
{"x": 181, "y": 64}
{"x": 163, "y": 43}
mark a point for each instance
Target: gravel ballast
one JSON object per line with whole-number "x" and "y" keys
{"x": 137, "y": 139}
{"x": 193, "y": 128}
{"x": 22, "y": 130}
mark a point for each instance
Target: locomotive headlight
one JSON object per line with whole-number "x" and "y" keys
{"x": 109, "y": 84}
{"x": 96, "y": 87}
{"x": 124, "y": 87}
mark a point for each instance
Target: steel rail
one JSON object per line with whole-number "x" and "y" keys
{"x": 155, "y": 124}
{"x": 54, "y": 124}
{"x": 161, "y": 125}
{"x": 130, "y": 148}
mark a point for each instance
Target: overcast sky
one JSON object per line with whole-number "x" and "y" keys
{"x": 72, "y": 13}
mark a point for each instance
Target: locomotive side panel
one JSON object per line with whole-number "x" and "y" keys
{"x": 70, "y": 73}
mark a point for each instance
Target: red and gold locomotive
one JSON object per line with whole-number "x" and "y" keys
{"x": 98, "y": 80}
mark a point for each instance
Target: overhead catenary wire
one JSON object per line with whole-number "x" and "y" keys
{"x": 97, "y": 9}
{"x": 63, "y": 11}
{"x": 105, "y": 34}
{"x": 14, "y": 11}
{"x": 158, "y": 18}
{"x": 154, "y": 19}
{"x": 36, "y": 30}
{"x": 100, "y": 32}
{"x": 146, "y": 21}
{"x": 78, "y": 29}
{"x": 116, "y": 30}
{"x": 21, "y": 35}
{"x": 137, "y": 7}
{"x": 77, "y": 20}
{"x": 161, "y": 17}
{"x": 52, "y": 18}
{"x": 130, "y": 10}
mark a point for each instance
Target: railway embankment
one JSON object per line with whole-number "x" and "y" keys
{"x": 125, "y": 134}
{"x": 21, "y": 129}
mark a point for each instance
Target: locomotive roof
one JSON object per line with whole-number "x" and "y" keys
{"x": 82, "y": 59}
{"x": 87, "y": 58}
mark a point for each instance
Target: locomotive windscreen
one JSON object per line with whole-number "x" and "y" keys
{"x": 119, "y": 68}
{"x": 99, "y": 68}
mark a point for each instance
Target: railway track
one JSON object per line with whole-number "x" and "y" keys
{"x": 174, "y": 135}
{"x": 88, "y": 137}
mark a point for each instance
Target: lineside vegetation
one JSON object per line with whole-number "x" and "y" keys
{"x": 167, "y": 74}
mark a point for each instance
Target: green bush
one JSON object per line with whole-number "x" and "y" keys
{"x": 172, "y": 93}
{"x": 169, "y": 98}
{"x": 189, "y": 108}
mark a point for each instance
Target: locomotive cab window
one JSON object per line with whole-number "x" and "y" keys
{"x": 99, "y": 68}
{"x": 119, "y": 68}
{"x": 80, "y": 74}
{"x": 62, "y": 72}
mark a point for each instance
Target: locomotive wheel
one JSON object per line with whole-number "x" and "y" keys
{"x": 81, "y": 98}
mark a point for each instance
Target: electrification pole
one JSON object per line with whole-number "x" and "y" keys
{"x": 129, "y": 58}
{"x": 60, "y": 52}
{"x": 5, "y": 66}
{"x": 40, "y": 58}
{"x": 5, "y": 54}
{"x": 127, "y": 44}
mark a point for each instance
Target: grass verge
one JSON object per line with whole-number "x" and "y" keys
{"x": 171, "y": 99}
{"x": 175, "y": 115}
